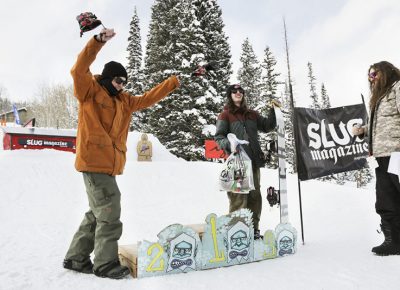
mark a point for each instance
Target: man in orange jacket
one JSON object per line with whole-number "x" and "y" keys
{"x": 105, "y": 111}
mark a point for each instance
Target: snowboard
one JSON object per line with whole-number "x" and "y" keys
{"x": 286, "y": 234}
{"x": 282, "y": 192}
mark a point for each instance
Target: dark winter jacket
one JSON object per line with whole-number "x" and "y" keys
{"x": 104, "y": 120}
{"x": 245, "y": 124}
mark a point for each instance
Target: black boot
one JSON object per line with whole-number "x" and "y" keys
{"x": 112, "y": 270}
{"x": 257, "y": 235}
{"x": 391, "y": 244}
{"x": 85, "y": 266}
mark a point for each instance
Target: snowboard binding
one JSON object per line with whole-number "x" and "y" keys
{"x": 271, "y": 154}
{"x": 273, "y": 196}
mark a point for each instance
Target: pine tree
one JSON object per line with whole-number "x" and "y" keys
{"x": 313, "y": 93}
{"x": 134, "y": 69}
{"x": 135, "y": 78}
{"x": 176, "y": 44}
{"x": 182, "y": 35}
{"x": 326, "y": 103}
{"x": 268, "y": 88}
{"x": 162, "y": 42}
{"x": 217, "y": 49}
{"x": 195, "y": 92}
{"x": 269, "y": 77}
{"x": 249, "y": 74}
{"x": 167, "y": 53}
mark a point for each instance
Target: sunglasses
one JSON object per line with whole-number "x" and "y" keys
{"x": 120, "y": 81}
{"x": 373, "y": 75}
{"x": 240, "y": 90}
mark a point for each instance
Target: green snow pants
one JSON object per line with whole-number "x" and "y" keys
{"x": 101, "y": 227}
{"x": 252, "y": 201}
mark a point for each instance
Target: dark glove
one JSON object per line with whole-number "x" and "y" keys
{"x": 203, "y": 70}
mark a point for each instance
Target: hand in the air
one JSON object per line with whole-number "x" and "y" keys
{"x": 106, "y": 34}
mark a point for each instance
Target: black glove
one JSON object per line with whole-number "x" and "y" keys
{"x": 203, "y": 69}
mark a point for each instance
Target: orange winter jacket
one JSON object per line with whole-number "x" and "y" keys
{"x": 103, "y": 122}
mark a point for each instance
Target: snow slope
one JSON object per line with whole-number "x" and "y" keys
{"x": 43, "y": 201}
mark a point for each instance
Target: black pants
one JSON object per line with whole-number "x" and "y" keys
{"x": 387, "y": 194}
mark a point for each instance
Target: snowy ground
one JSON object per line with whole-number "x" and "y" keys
{"x": 43, "y": 201}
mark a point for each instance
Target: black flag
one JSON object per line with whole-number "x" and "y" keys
{"x": 325, "y": 142}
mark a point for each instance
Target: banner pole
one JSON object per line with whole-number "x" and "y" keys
{"x": 294, "y": 121}
{"x": 301, "y": 210}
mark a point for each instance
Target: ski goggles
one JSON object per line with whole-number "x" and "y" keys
{"x": 373, "y": 75}
{"x": 120, "y": 81}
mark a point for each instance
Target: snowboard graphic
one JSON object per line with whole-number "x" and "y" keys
{"x": 284, "y": 213}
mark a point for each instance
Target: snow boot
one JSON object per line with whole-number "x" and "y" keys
{"x": 112, "y": 270}
{"x": 391, "y": 244}
{"x": 86, "y": 266}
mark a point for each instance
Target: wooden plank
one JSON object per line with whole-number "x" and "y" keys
{"x": 128, "y": 257}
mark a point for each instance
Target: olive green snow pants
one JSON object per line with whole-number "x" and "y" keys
{"x": 252, "y": 201}
{"x": 101, "y": 227}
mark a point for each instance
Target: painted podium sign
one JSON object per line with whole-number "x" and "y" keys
{"x": 227, "y": 240}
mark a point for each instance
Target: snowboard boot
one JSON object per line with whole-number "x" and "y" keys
{"x": 86, "y": 266}
{"x": 391, "y": 244}
{"x": 257, "y": 235}
{"x": 112, "y": 270}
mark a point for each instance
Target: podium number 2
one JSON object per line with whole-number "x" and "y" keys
{"x": 157, "y": 257}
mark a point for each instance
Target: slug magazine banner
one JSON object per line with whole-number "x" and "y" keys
{"x": 325, "y": 144}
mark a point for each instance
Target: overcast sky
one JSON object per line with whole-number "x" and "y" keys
{"x": 40, "y": 40}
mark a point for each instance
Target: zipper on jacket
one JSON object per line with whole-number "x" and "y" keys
{"x": 115, "y": 158}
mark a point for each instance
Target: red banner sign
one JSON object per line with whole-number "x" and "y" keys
{"x": 43, "y": 142}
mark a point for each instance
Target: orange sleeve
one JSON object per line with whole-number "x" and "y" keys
{"x": 153, "y": 96}
{"x": 83, "y": 78}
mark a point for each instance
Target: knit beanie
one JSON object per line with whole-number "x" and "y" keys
{"x": 114, "y": 69}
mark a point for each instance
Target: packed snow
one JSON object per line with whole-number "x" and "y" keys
{"x": 43, "y": 200}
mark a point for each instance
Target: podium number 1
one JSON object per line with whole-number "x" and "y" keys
{"x": 219, "y": 256}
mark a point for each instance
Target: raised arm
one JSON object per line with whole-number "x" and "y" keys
{"x": 154, "y": 95}
{"x": 81, "y": 74}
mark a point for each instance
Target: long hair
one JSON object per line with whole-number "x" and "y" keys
{"x": 389, "y": 74}
{"x": 229, "y": 102}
